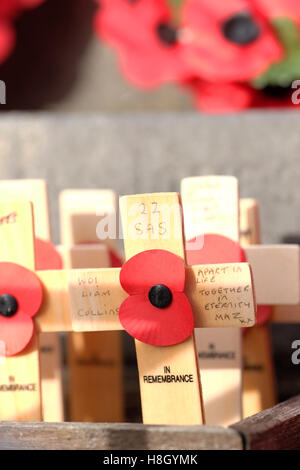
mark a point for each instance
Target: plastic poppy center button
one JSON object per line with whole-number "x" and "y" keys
{"x": 167, "y": 34}
{"x": 160, "y": 296}
{"x": 8, "y": 305}
{"x": 241, "y": 29}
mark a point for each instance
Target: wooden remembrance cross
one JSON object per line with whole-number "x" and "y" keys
{"x": 94, "y": 358}
{"x": 256, "y": 362}
{"x": 259, "y": 384}
{"x": 211, "y": 206}
{"x": 90, "y": 300}
{"x": 35, "y": 191}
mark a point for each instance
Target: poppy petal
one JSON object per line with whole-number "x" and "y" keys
{"x": 22, "y": 284}
{"x": 220, "y": 97}
{"x": 151, "y": 267}
{"x": 15, "y": 333}
{"x": 115, "y": 260}
{"x": 214, "y": 57}
{"x": 280, "y": 8}
{"x": 7, "y": 39}
{"x": 217, "y": 249}
{"x": 132, "y": 29}
{"x": 46, "y": 256}
{"x": 263, "y": 314}
{"x": 155, "y": 326}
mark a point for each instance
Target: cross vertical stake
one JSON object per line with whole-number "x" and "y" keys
{"x": 153, "y": 221}
{"x": 259, "y": 387}
{"x": 210, "y": 206}
{"x": 20, "y": 372}
{"x": 35, "y": 191}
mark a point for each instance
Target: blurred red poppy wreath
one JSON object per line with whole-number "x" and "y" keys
{"x": 9, "y": 12}
{"x": 231, "y": 55}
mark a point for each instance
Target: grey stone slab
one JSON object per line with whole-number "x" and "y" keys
{"x": 142, "y": 152}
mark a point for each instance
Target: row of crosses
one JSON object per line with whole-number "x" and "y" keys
{"x": 156, "y": 297}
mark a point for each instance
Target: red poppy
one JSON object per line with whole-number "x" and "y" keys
{"x": 221, "y": 97}
{"x": 218, "y": 249}
{"x": 142, "y": 34}
{"x": 157, "y": 311}
{"x": 9, "y": 10}
{"x": 263, "y": 315}
{"x": 7, "y": 39}
{"x": 20, "y": 299}
{"x": 274, "y": 97}
{"x": 232, "y": 97}
{"x": 279, "y": 8}
{"x": 46, "y": 256}
{"x": 30, "y": 3}
{"x": 228, "y": 40}
{"x": 115, "y": 260}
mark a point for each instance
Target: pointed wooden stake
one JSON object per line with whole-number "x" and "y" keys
{"x": 210, "y": 206}
{"x": 19, "y": 373}
{"x": 35, "y": 191}
{"x": 207, "y": 207}
{"x": 259, "y": 388}
{"x": 150, "y": 222}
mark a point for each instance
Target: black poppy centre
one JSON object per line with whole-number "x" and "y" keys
{"x": 160, "y": 296}
{"x": 167, "y": 33}
{"x": 241, "y": 29}
{"x": 8, "y": 305}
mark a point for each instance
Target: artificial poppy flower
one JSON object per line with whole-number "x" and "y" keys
{"x": 10, "y": 8}
{"x": 46, "y": 256}
{"x": 157, "y": 311}
{"x": 277, "y": 83}
{"x": 218, "y": 249}
{"x": 9, "y": 11}
{"x": 220, "y": 97}
{"x": 279, "y": 8}
{"x": 228, "y": 41}
{"x": 21, "y": 296}
{"x": 232, "y": 97}
{"x": 142, "y": 34}
{"x": 263, "y": 315}
{"x": 7, "y": 39}
{"x": 30, "y": 3}
{"x": 115, "y": 260}
{"x": 275, "y": 96}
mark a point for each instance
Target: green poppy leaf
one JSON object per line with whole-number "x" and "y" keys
{"x": 283, "y": 73}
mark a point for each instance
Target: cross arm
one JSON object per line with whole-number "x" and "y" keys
{"x": 276, "y": 273}
{"x": 286, "y": 314}
{"x": 54, "y": 314}
{"x": 89, "y": 300}
{"x": 80, "y": 300}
